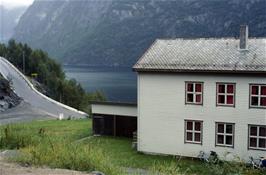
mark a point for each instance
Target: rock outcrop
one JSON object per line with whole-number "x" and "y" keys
{"x": 8, "y": 98}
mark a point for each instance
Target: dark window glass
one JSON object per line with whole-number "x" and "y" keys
{"x": 262, "y": 143}
{"x": 197, "y": 137}
{"x": 198, "y": 88}
{"x": 230, "y": 99}
{"x": 190, "y": 87}
{"x": 254, "y": 101}
{"x": 253, "y": 131}
{"x": 221, "y": 99}
{"x": 198, "y": 98}
{"x": 190, "y": 97}
{"x": 263, "y": 90}
{"x": 220, "y": 128}
{"x": 262, "y": 131}
{"x": 197, "y": 126}
{"x": 189, "y": 125}
{"x": 220, "y": 139}
{"x": 189, "y": 136}
{"x": 255, "y": 90}
{"x": 229, "y": 129}
{"x": 253, "y": 142}
{"x": 221, "y": 88}
{"x": 230, "y": 89}
{"x": 229, "y": 140}
{"x": 263, "y": 101}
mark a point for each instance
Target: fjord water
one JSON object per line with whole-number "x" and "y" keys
{"x": 118, "y": 84}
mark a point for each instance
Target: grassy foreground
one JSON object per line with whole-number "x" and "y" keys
{"x": 61, "y": 144}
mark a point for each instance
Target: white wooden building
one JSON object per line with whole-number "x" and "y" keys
{"x": 204, "y": 94}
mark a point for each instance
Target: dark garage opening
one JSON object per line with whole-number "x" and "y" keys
{"x": 113, "y": 125}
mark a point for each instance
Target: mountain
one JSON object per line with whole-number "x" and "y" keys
{"x": 8, "y": 20}
{"x": 117, "y": 32}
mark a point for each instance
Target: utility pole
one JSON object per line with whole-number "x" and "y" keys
{"x": 23, "y": 54}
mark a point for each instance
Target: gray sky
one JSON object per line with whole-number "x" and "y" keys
{"x": 15, "y": 3}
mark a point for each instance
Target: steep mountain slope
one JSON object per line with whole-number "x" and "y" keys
{"x": 117, "y": 32}
{"x": 8, "y": 20}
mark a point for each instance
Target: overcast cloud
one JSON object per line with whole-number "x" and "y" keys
{"x": 15, "y": 3}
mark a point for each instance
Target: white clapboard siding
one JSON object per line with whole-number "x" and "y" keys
{"x": 114, "y": 109}
{"x": 162, "y": 111}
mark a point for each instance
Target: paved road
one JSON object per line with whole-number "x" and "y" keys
{"x": 37, "y": 100}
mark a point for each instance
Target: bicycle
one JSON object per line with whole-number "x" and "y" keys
{"x": 257, "y": 163}
{"x": 212, "y": 157}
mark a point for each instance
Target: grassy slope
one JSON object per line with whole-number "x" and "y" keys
{"x": 58, "y": 144}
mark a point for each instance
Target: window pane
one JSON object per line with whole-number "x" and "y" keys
{"x": 229, "y": 129}
{"x": 253, "y": 131}
{"x": 190, "y": 87}
{"x": 189, "y": 97}
{"x": 230, "y": 99}
{"x": 254, "y": 101}
{"x": 253, "y": 142}
{"x": 262, "y": 131}
{"x": 262, "y": 143}
{"x": 255, "y": 90}
{"x": 189, "y": 136}
{"x": 229, "y": 140}
{"x": 220, "y": 139}
{"x": 230, "y": 88}
{"x": 189, "y": 125}
{"x": 198, "y": 98}
{"x": 263, "y": 101}
{"x": 220, "y": 128}
{"x": 263, "y": 90}
{"x": 197, "y": 137}
{"x": 198, "y": 88}
{"x": 197, "y": 126}
{"x": 221, "y": 99}
{"x": 221, "y": 88}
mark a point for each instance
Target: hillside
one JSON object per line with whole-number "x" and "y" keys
{"x": 8, "y": 20}
{"x": 117, "y": 32}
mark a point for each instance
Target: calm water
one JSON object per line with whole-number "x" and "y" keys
{"x": 118, "y": 84}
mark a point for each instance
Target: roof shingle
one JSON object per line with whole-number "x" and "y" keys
{"x": 204, "y": 54}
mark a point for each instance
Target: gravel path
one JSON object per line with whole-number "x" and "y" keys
{"x": 15, "y": 169}
{"x": 7, "y": 168}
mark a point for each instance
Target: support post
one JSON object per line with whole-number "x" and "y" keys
{"x": 114, "y": 125}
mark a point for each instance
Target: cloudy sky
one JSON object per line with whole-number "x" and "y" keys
{"x": 15, "y": 3}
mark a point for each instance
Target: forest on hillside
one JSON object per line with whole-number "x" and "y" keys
{"x": 49, "y": 73}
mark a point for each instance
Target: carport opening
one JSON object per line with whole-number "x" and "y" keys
{"x": 121, "y": 126}
{"x": 114, "y": 119}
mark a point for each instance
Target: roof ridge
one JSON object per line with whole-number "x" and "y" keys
{"x": 208, "y": 38}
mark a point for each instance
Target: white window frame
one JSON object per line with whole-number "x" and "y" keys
{"x": 257, "y": 137}
{"x": 224, "y": 134}
{"x": 259, "y": 96}
{"x": 225, "y": 94}
{"x": 193, "y": 131}
{"x": 194, "y": 93}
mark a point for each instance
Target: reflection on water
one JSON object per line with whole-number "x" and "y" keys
{"x": 118, "y": 84}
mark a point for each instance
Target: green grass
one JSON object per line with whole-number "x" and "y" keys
{"x": 61, "y": 144}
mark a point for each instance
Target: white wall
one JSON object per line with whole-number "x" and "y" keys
{"x": 123, "y": 110}
{"x": 162, "y": 111}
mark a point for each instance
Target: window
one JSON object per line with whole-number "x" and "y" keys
{"x": 225, "y": 134}
{"x": 194, "y": 93}
{"x": 193, "y": 131}
{"x": 225, "y": 94}
{"x": 258, "y": 96}
{"x": 257, "y": 137}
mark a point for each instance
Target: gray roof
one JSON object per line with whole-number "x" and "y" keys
{"x": 204, "y": 55}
